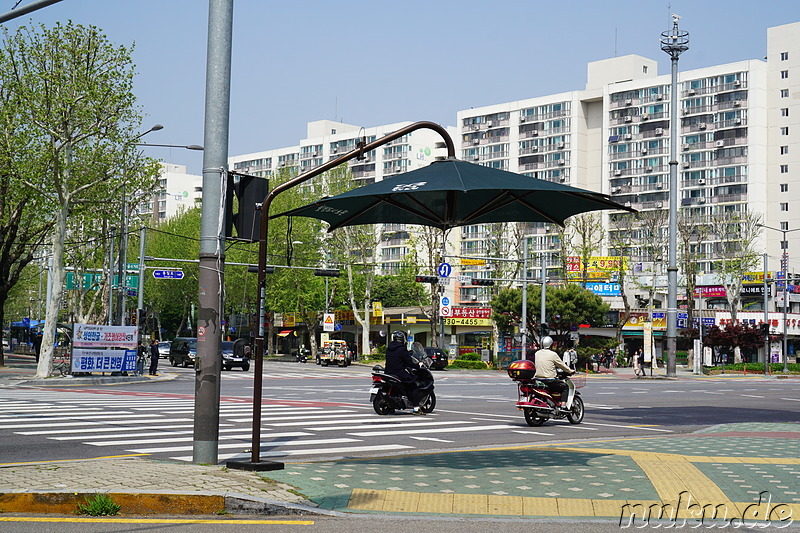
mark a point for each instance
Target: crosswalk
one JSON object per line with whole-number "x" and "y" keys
{"x": 162, "y": 427}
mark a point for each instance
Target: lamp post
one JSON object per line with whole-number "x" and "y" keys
{"x": 785, "y": 270}
{"x": 674, "y": 43}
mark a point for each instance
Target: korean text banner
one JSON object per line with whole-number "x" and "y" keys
{"x": 97, "y": 336}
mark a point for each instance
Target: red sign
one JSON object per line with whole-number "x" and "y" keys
{"x": 471, "y": 312}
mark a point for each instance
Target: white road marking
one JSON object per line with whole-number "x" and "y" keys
{"x": 437, "y": 430}
{"x": 430, "y": 439}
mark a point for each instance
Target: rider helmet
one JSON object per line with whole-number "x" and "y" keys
{"x": 546, "y": 342}
{"x": 398, "y": 336}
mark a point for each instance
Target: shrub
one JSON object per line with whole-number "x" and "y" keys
{"x": 100, "y": 505}
{"x": 473, "y": 365}
{"x": 471, "y": 356}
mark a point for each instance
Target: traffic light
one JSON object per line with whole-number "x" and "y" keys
{"x": 764, "y": 329}
{"x": 142, "y": 317}
{"x": 133, "y": 315}
{"x": 250, "y": 191}
{"x": 427, "y": 279}
{"x": 545, "y": 329}
{"x": 327, "y": 272}
{"x": 484, "y": 282}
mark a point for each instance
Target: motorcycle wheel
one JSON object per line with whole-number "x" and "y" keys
{"x": 429, "y": 404}
{"x": 381, "y": 405}
{"x": 532, "y": 419}
{"x": 245, "y": 367}
{"x": 575, "y": 415}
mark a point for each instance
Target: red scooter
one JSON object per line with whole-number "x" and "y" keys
{"x": 538, "y": 403}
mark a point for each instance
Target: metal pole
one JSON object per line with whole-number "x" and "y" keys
{"x": 544, "y": 289}
{"x": 140, "y": 288}
{"x": 524, "y": 354}
{"x": 24, "y": 10}
{"x": 766, "y": 317}
{"x": 785, "y": 268}
{"x": 698, "y": 357}
{"x": 212, "y": 259}
{"x": 122, "y": 267}
{"x": 674, "y": 43}
{"x": 110, "y": 277}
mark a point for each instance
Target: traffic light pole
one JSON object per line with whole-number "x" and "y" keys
{"x": 255, "y": 463}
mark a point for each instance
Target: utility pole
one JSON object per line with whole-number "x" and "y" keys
{"x": 212, "y": 232}
{"x": 674, "y": 43}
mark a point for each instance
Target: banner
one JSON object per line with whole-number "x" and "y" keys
{"x": 88, "y": 360}
{"x": 467, "y": 321}
{"x": 97, "y": 336}
{"x": 471, "y": 312}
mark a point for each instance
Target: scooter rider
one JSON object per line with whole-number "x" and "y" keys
{"x": 547, "y": 362}
{"x": 399, "y": 363}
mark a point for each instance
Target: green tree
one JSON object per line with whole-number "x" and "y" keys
{"x": 734, "y": 239}
{"x": 566, "y": 307}
{"x": 73, "y": 91}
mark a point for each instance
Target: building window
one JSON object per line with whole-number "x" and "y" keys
{"x": 784, "y": 169}
{"x": 784, "y": 56}
{"x": 784, "y": 187}
{"x": 784, "y": 150}
{"x": 785, "y": 130}
{"x": 784, "y": 93}
{"x": 784, "y": 74}
{"x": 785, "y": 206}
{"x": 784, "y": 226}
{"x": 784, "y": 111}
{"x": 784, "y": 245}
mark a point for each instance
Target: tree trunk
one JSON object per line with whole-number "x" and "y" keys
{"x": 57, "y": 282}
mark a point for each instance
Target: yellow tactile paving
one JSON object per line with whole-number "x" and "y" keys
{"x": 483, "y": 504}
{"x": 539, "y": 507}
{"x": 436, "y": 503}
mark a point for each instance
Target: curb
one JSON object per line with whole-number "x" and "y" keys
{"x": 155, "y": 503}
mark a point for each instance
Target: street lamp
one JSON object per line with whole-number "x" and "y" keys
{"x": 785, "y": 269}
{"x": 186, "y": 146}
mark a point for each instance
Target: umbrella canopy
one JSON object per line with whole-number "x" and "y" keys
{"x": 452, "y": 193}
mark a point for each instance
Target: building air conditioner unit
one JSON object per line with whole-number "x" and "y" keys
{"x": 522, "y": 118}
{"x": 737, "y": 103}
{"x": 476, "y": 158}
{"x": 473, "y": 298}
{"x": 701, "y": 201}
{"x": 737, "y": 83}
{"x": 628, "y": 204}
{"x": 561, "y": 162}
{"x": 701, "y": 181}
{"x": 687, "y": 165}
{"x": 719, "y": 144}
{"x": 659, "y": 131}
{"x": 648, "y": 169}
{"x": 737, "y": 121}
{"x": 316, "y": 154}
{"x": 627, "y": 137}
{"x": 534, "y": 148}
{"x": 645, "y": 116}
{"x": 628, "y": 118}
{"x": 659, "y": 186}
{"x": 686, "y": 146}
{"x": 701, "y": 126}
{"x": 616, "y": 189}
{"x": 560, "y": 146}
{"x": 534, "y": 132}
{"x": 659, "y": 204}
{"x": 476, "y": 141}
{"x": 659, "y": 97}
{"x": 691, "y": 92}
{"x": 618, "y": 173}
{"x": 644, "y": 151}
{"x": 490, "y": 123}
{"x": 562, "y": 178}
{"x": 629, "y": 102}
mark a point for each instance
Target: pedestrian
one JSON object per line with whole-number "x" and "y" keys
{"x": 154, "y": 358}
{"x": 640, "y": 360}
{"x": 37, "y": 345}
{"x": 141, "y": 357}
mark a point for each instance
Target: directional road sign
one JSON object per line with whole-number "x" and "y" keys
{"x": 444, "y": 270}
{"x": 168, "y": 274}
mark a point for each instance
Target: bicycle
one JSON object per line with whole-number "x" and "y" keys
{"x": 63, "y": 366}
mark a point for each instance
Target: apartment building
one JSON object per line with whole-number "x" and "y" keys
{"x": 328, "y": 140}
{"x": 177, "y": 191}
{"x": 738, "y": 148}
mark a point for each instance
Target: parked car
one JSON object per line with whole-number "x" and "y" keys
{"x": 230, "y": 357}
{"x": 183, "y": 351}
{"x": 163, "y": 349}
{"x": 438, "y": 356}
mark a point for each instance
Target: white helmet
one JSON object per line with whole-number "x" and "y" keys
{"x": 546, "y": 342}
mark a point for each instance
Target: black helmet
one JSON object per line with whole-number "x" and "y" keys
{"x": 398, "y": 336}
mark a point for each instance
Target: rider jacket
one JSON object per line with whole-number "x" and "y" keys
{"x": 547, "y": 361}
{"x": 399, "y": 362}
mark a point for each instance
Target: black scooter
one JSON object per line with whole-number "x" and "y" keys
{"x": 387, "y": 394}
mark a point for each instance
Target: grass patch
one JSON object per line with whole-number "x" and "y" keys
{"x": 100, "y": 505}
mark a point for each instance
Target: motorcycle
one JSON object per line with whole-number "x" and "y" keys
{"x": 540, "y": 404}
{"x": 388, "y": 392}
{"x": 302, "y": 355}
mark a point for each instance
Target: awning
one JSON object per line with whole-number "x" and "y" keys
{"x": 284, "y": 333}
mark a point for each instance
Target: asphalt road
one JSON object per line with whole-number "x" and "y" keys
{"x": 316, "y": 413}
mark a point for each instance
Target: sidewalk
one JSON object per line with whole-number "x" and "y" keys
{"x": 736, "y": 467}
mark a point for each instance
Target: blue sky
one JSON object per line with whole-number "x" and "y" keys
{"x": 377, "y": 62}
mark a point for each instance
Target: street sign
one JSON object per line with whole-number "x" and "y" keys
{"x": 328, "y": 323}
{"x": 132, "y": 292}
{"x": 445, "y": 301}
{"x": 168, "y": 274}
{"x": 445, "y": 310}
{"x": 444, "y": 270}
